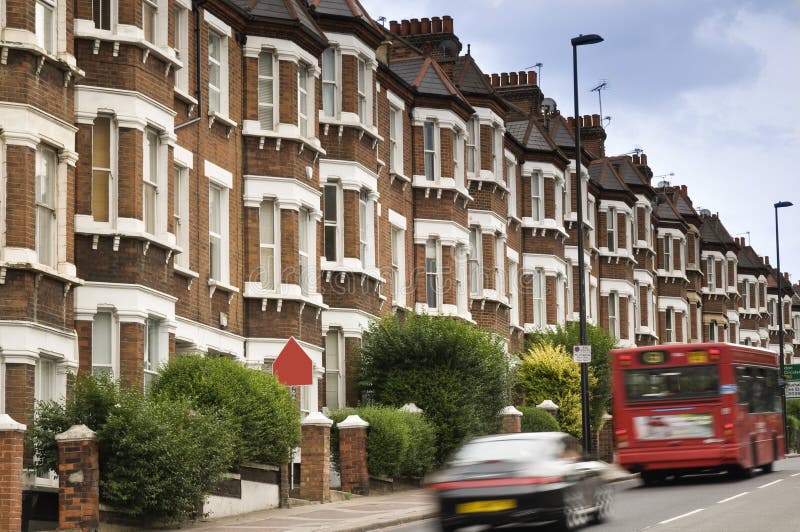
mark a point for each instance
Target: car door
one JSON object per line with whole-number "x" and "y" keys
{"x": 587, "y": 477}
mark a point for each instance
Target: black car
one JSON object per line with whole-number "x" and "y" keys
{"x": 519, "y": 478}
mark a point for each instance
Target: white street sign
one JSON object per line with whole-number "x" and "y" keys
{"x": 582, "y": 354}
{"x": 793, "y": 389}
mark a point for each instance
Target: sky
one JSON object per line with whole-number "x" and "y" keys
{"x": 709, "y": 89}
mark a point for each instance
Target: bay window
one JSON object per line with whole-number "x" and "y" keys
{"x": 363, "y": 226}
{"x": 101, "y": 14}
{"x": 302, "y": 99}
{"x": 475, "y": 262}
{"x": 536, "y": 196}
{"x": 511, "y": 179}
{"x": 266, "y": 91}
{"x": 398, "y": 266}
{"x": 362, "y": 92}
{"x": 150, "y": 181}
{"x": 432, "y": 274}
{"x": 45, "y": 25}
{"x": 539, "y": 310}
{"x": 103, "y": 334}
{"x": 103, "y": 148}
{"x": 215, "y": 207}
{"x": 429, "y": 149}
{"x": 473, "y": 134}
{"x": 395, "y": 140}
{"x": 267, "y": 218}
{"x": 152, "y": 329}
{"x": 150, "y": 20}
{"x": 332, "y": 236}
{"x": 181, "y": 214}
{"x": 710, "y": 273}
{"x": 513, "y": 292}
{"x": 613, "y": 314}
{"x": 499, "y": 265}
{"x": 669, "y": 325}
{"x": 334, "y": 369}
{"x": 330, "y": 85}
{"x": 668, "y": 253}
{"x": 303, "y": 247}
{"x": 611, "y": 229}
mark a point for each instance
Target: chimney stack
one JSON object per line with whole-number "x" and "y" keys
{"x": 436, "y": 25}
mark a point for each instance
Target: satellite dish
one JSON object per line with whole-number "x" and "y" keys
{"x": 548, "y": 106}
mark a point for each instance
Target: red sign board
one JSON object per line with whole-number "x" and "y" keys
{"x": 293, "y": 367}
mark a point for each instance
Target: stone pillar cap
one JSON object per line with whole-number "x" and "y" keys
{"x": 411, "y": 407}
{"x": 8, "y": 424}
{"x": 317, "y": 419}
{"x": 509, "y": 411}
{"x": 352, "y": 422}
{"x": 77, "y": 433}
{"x": 547, "y": 404}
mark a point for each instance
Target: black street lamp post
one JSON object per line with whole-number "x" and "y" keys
{"x": 580, "y": 41}
{"x": 780, "y": 205}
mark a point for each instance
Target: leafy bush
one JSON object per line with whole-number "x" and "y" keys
{"x": 455, "y": 372}
{"x": 538, "y": 420}
{"x": 602, "y": 343}
{"x": 265, "y": 419}
{"x": 548, "y": 372}
{"x": 157, "y": 458}
{"x": 792, "y": 427}
{"x": 399, "y": 444}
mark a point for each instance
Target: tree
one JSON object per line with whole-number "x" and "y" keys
{"x": 548, "y": 372}
{"x": 602, "y": 343}
{"x": 457, "y": 373}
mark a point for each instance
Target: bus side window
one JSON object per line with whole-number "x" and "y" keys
{"x": 743, "y": 381}
{"x": 773, "y": 397}
{"x": 760, "y": 392}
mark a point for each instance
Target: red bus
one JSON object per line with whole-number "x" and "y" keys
{"x": 680, "y": 408}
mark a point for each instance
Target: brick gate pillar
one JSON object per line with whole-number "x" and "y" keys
{"x": 78, "y": 480}
{"x": 353, "y": 455}
{"x": 11, "y": 443}
{"x": 511, "y": 418}
{"x": 315, "y": 470}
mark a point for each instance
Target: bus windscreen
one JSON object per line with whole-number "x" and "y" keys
{"x": 671, "y": 383}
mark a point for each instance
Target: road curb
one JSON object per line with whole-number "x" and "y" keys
{"x": 385, "y": 524}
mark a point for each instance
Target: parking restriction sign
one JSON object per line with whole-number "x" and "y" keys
{"x": 582, "y": 354}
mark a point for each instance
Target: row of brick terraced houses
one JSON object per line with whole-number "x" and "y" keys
{"x": 218, "y": 176}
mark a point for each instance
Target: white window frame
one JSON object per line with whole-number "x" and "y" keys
{"x": 336, "y": 221}
{"x": 46, "y": 205}
{"x": 331, "y": 55}
{"x": 181, "y": 39}
{"x": 613, "y": 314}
{"x": 611, "y": 230}
{"x": 500, "y": 265}
{"x": 151, "y": 185}
{"x": 511, "y": 182}
{"x": 539, "y": 287}
{"x": 462, "y": 291}
{"x": 668, "y": 260}
{"x": 473, "y": 164}
{"x": 537, "y": 195}
{"x": 112, "y": 365}
{"x": 433, "y": 252}
{"x": 2, "y": 387}
{"x": 99, "y": 8}
{"x": 304, "y": 250}
{"x": 475, "y": 262}
{"x": 46, "y": 25}
{"x": 269, "y": 270}
{"x": 458, "y": 157}
{"x": 398, "y": 243}
{"x": 713, "y": 331}
{"x": 150, "y": 7}
{"x": 669, "y": 325}
{"x": 267, "y": 106}
{"x": 711, "y": 266}
{"x": 334, "y": 337}
{"x": 111, "y": 169}
{"x": 590, "y": 215}
{"x": 430, "y": 150}
{"x": 305, "y": 118}
{"x": 222, "y": 63}
{"x": 365, "y": 228}
{"x": 513, "y": 292}
{"x": 396, "y": 140}
{"x": 558, "y": 193}
{"x": 45, "y": 379}
{"x": 221, "y": 235}
{"x": 364, "y": 90}
{"x": 152, "y": 349}
{"x": 637, "y": 306}
{"x": 746, "y": 294}
{"x": 181, "y": 216}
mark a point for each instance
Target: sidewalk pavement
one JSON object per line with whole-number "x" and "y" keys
{"x": 356, "y": 514}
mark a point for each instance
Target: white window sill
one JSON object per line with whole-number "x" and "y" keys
{"x": 488, "y": 178}
{"x": 489, "y": 294}
{"x": 62, "y": 60}
{"x": 186, "y": 272}
{"x": 251, "y": 128}
{"x": 130, "y": 228}
{"x": 56, "y": 273}
{"x": 514, "y": 218}
{"x": 214, "y": 116}
{"x": 348, "y": 120}
{"x": 672, "y": 275}
{"x": 548, "y": 224}
{"x": 646, "y": 331}
{"x": 394, "y": 175}
{"x": 127, "y": 34}
{"x": 214, "y": 285}
{"x": 185, "y": 96}
{"x": 290, "y": 292}
{"x": 351, "y": 266}
{"x": 443, "y": 310}
{"x": 618, "y": 254}
{"x": 442, "y": 183}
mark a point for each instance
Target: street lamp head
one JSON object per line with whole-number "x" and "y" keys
{"x": 781, "y": 204}
{"x": 580, "y": 40}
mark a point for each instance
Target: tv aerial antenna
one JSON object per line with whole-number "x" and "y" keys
{"x": 599, "y": 88}
{"x": 538, "y": 67}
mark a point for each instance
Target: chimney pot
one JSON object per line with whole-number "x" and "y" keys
{"x": 488, "y": 78}
{"x": 637, "y": 160}
{"x": 447, "y": 24}
{"x": 595, "y": 120}
{"x": 644, "y": 159}
{"x": 523, "y": 77}
{"x": 766, "y": 260}
{"x": 495, "y": 80}
{"x": 436, "y": 25}
{"x": 513, "y": 78}
{"x": 415, "y": 26}
{"x": 587, "y": 121}
{"x": 425, "y": 25}
{"x": 683, "y": 189}
{"x": 532, "y": 77}
{"x": 504, "y": 79}
{"x": 405, "y": 27}
{"x": 571, "y": 122}
{"x": 394, "y": 26}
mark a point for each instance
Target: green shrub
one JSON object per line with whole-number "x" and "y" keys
{"x": 399, "y": 444}
{"x": 265, "y": 419}
{"x": 457, "y": 373}
{"x": 548, "y": 372}
{"x": 602, "y": 343}
{"x": 792, "y": 426}
{"x": 157, "y": 458}
{"x": 538, "y": 420}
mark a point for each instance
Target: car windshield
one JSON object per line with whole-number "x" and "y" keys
{"x": 532, "y": 450}
{"x": 669, "y": 383}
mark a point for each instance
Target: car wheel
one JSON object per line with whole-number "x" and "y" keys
{"x": 603, "y": 497}
{"x": 650, "y": 478}
{"x": 574, "y": 516}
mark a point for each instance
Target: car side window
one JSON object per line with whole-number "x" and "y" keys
{"x": 571, "y": 449}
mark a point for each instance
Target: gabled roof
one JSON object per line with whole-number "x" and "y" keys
{"x": 628, "y": 172}
{"x": 346, "y": 9}
{"x": 531, "y": 135}
{"x": 560, "y": 132}
{"x": 285, "y": 10}
{"x": 603, "y": 173}
{"x": 469, "y": 78}
{"x": 713, "y": 232}
{"x": 748, "y": 258}
{"x": 425, "y": 75}
{"x": 683, "y": 203}
{"x": 666, "y": 210}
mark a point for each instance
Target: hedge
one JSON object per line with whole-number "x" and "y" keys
{"x": 264, "y": 417}
{"x": 399, "y": 444}
{"x": 538, "y": 420}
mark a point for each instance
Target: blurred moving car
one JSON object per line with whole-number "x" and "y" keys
{"x": 519, "y": 478}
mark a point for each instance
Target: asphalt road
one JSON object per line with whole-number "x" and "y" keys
{"x": 710, "y": 503}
